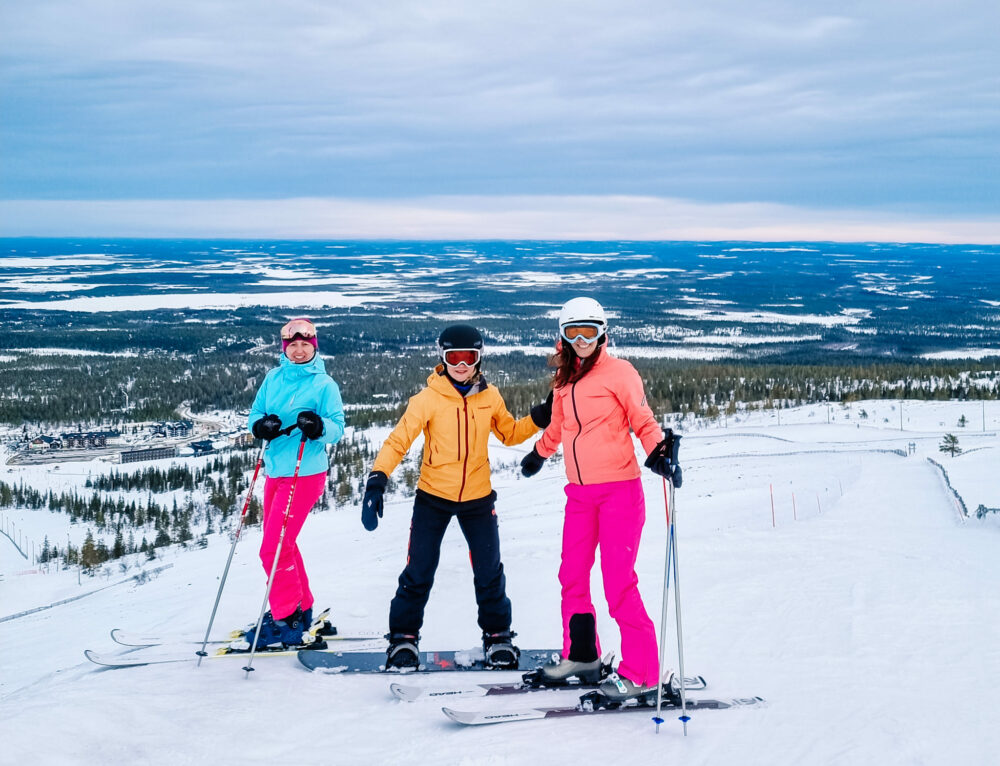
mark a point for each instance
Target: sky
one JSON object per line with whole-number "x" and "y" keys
{"x": 590, "y": 120}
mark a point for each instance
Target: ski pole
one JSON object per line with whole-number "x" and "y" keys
{"x": 671, "y": 561}
{"x": 277, "y": 553}
{"x": 663, "y": 608}
{"x": 232, "y": 549}
{"x": 684, "y": 717}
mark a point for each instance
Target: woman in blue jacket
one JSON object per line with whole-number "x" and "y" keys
{"x": 296, "y": 394}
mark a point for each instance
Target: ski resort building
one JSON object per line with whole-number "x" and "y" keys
{"x": 151, "y": 453}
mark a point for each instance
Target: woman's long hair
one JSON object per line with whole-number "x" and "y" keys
{"x": 564, "y": 360}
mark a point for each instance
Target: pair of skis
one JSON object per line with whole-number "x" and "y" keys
{"x": 321, "y": 635}
{"x": 324, "y": 659}
{"x": 592, "y": 703}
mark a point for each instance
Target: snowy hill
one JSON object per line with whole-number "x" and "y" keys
{"x": 867, "y": 614}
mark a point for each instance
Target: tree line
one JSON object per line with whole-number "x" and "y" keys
{"x": 183, "y": 504}
{"x": 375, "y": 387}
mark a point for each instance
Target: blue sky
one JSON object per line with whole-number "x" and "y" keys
{"x": 577, "y": 119}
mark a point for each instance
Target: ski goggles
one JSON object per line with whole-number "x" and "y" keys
{"x": 303, "y": 328}
{"x": 453, "y": 357}
{"x": 589, "y": 332}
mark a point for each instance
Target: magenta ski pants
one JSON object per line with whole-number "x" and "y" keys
{"x": 609, "y": 515}
{"x": 291, "y": 585}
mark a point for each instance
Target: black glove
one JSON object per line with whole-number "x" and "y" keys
{"x": 310, "y": 424}
{"x": 541, "y": 414}
{"x": 663, "y": 459}
{"x": 532, "y": 463}
{"x": 371, "y": 506}
{"x": 267, "y": 428}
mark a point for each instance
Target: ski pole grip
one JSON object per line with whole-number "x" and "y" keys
{"x": 670, "y": 448}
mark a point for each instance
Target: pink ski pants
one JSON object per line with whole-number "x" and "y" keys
{"x": 610, "y": 515}
{"x": 291, "y": 585}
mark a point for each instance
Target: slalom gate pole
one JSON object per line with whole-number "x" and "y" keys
{"x": 684, "y": 717}
{"x": 274, "y": 566}
{"x": 232, "y": 549}
{"x": 663, "y": 608}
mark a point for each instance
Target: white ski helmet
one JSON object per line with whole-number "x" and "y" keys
{"x": 580, "y": 310}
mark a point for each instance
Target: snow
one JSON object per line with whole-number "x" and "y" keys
{"x": 866, "y": 615}
{"x": 317, "y": 299}
{"x": 51, "y": 351}
{"x": 963, "y": 353}
{"x": 846, "y": 317}
{"x": 43, "y": 262}
{"x": 749, "y": 340}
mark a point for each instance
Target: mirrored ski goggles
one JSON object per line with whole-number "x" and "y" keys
{"x": 587, "y": 331}
{"x": 301, "y": 327}
{"x": 453, "y": 357}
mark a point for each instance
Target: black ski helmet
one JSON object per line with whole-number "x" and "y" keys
{"x": 460, "y": 336}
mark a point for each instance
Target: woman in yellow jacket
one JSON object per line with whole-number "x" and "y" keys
{"x": 457, "y": 412}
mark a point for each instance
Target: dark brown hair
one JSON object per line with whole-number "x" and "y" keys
{"x": 564, "y": 360}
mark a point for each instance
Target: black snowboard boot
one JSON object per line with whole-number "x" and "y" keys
{"x": 402, "y": 652}
{"x": 500, "y": 650}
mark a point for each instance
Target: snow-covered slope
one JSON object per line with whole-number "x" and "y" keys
{"x": 867, "y": 615}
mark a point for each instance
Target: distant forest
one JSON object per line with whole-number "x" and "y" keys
{"x": 67, "y": 391}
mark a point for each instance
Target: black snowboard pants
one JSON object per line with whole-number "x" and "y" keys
{"x": 478, "y": 520}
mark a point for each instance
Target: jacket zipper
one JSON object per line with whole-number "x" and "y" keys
{"x": 572, "y": 394}
{"x": 465, "y": 464}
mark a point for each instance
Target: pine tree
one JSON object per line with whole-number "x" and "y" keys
{"x": 949, "y": 444}
{"x": 88, "y": 554}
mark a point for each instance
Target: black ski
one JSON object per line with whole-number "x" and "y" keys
{"x": 430, "y": 662}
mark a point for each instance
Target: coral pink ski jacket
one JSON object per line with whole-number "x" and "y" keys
{"x": 592, "y": 418}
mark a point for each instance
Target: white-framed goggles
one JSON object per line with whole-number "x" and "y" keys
{"x": 455, "y": 357}
{"x": 588, "y": 332}
{"x": 298, "y": 327}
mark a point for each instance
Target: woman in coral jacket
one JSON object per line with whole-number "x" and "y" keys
{"x": 456, "y": 412}
{"x": 598, "y": 399}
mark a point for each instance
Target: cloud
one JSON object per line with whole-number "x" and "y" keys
{"x": 481, "y": 217}
{"x": 881, "y": 103}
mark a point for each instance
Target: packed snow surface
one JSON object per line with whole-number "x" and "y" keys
{"x": 866, "y": 613}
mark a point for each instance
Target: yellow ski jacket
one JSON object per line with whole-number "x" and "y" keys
{"x": 456, "y": 432}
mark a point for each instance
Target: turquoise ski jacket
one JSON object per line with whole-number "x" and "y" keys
{"x": 286, "y": 391}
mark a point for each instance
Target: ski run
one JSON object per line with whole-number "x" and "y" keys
{"x": 865, "y": 615}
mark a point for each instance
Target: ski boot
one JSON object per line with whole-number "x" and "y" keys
{"x": 617, "y": 691}
{"x": 581, "y": 666}
{"x": 290, "y": 631}
{"x": 562, "y": 671}
{"x": 268, "y": 633}
{"x": 500, "y": 651}
{"x": 402, "y": 653}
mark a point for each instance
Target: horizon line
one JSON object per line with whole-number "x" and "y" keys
{"x": 443, "y": 218}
